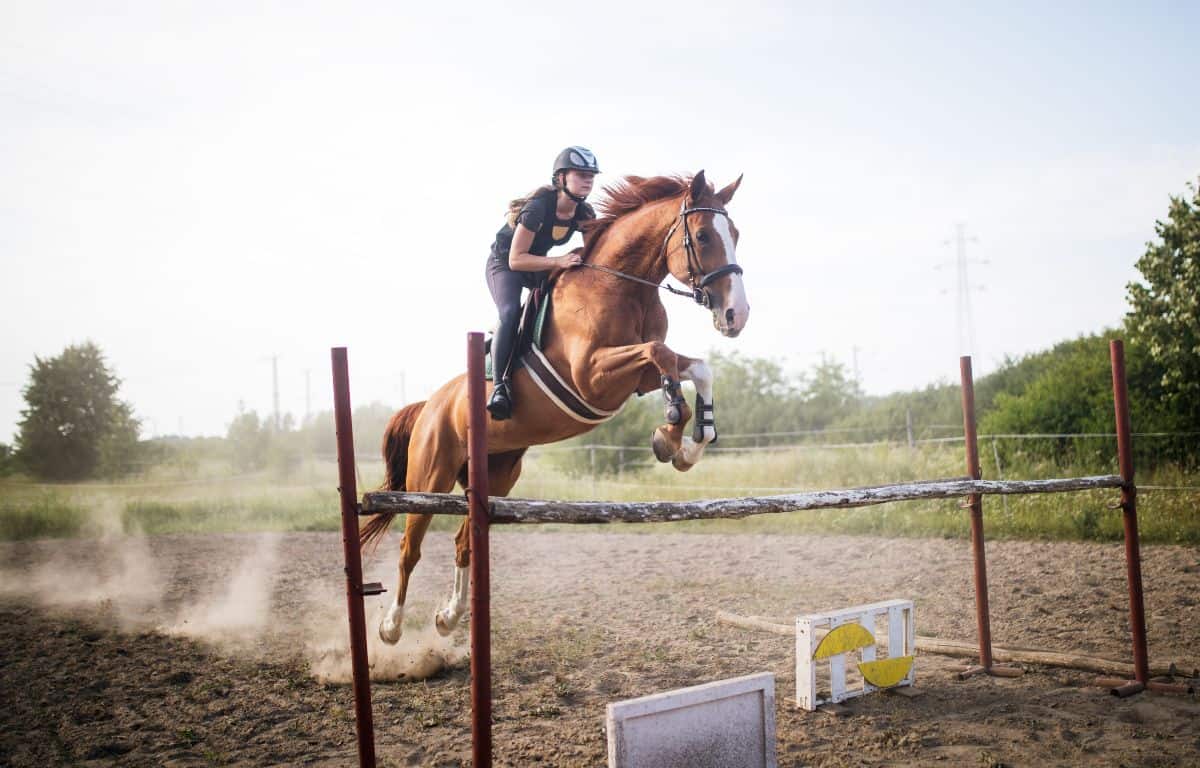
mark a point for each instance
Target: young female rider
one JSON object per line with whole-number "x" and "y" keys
{"x": 547, "y": 217}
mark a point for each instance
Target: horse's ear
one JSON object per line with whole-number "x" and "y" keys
{"x": 726, "y": 194}
{"x": 699, "y": 186}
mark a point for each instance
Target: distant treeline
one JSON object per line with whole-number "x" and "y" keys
{"x": 1066, "y": 390}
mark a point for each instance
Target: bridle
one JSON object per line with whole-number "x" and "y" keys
{"x": 698, "y": 279}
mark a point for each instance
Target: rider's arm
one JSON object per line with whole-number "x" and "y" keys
{"x": 521, "y": 260}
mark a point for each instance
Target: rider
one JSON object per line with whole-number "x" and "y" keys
{"x": 546, "y": 217}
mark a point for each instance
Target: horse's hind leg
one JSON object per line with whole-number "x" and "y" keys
{"x": 503, "y": 471}
{"x": 415, "y": 526}
{"x": 433, "y": 463}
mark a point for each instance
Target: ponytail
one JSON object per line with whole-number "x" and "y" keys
{"x": 515, "y": 205}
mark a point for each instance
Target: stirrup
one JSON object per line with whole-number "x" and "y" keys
{"x": 500, "y": 405}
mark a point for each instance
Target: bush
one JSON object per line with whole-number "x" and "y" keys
{"x": 8, "y": 462}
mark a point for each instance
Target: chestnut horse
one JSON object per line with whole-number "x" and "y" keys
{"x": 604, "y": 339}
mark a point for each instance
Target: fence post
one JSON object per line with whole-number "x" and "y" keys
{"x": 1133, "y": 558}
{"x": 908, "y": 427}
{"x": 348, "y": 490}
{"x": 975, "y": 505}
{"x": 481, "y": 622}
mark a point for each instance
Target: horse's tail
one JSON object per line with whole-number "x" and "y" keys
{"x": 395, "y": 457}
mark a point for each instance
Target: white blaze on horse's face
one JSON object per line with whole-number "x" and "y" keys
{"x": 732, "y": 310}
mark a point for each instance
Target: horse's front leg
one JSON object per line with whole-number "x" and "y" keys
{"x": 392, "y": 624}
{"x": 503, "y": 471}
{"x": 704, "y": 430}
{"x": 653, "y": 365}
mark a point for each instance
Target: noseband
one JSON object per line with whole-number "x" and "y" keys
{"x": 698, "y": 279}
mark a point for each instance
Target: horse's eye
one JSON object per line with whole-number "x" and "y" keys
{"x": 702, "y": 236}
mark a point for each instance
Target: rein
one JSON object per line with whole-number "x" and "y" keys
{"x": 697, "y": 277}
{"x": 636, "y": 279}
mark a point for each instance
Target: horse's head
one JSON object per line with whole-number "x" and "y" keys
{"x": 702, "y": 254}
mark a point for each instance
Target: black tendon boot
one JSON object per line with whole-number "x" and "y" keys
{"x": 500, "y": 406}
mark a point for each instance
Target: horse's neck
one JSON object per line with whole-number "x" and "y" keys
{"x": 634, "y": 245}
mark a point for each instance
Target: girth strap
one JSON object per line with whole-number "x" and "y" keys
{"x": 561, "y": 393}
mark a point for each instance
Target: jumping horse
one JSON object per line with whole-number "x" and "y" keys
{"x": 603, "y": 341}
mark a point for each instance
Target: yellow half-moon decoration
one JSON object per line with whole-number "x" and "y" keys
{"x": 843, "y": 639}
{"x": 886, "y": 673}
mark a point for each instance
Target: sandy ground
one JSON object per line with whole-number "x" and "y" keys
{"x": 227, "y": 650}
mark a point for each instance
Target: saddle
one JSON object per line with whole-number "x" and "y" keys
{"x": 534, "y": 312}
{"x": 528, "y": 355}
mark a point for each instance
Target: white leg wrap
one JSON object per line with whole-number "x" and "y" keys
{"x": 447, "y": 618}
{"x": 392, "y": 624}
{"x": 701, "y": 375}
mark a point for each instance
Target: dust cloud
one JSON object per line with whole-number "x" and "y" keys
{"x": 121, "y": 575}
{"x": 421, "y": 652}
{"x": 239, "y": 612}
{"x": 113, "y": 576}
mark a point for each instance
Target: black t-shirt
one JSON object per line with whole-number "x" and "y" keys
{"x": 540, "y": 215}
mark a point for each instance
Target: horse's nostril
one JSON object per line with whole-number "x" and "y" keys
{"x": 729, "y": 317}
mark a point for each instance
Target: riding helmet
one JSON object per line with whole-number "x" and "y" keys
{"x": 576, "y": 159}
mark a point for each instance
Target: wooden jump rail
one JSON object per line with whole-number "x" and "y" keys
{"x": 483, "y": 511}
{"x": 509, "y": 510}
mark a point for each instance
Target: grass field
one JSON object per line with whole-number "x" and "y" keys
{"x": 210, "y": 499}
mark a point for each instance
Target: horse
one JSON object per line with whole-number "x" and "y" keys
{"x": 604, "y": 341}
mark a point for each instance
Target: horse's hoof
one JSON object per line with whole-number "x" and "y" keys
{"x": 679, "y": 464}
{"x": 390, "y": 637}
{"x": 661, "y": 447}
{"x": 443, "y": 628}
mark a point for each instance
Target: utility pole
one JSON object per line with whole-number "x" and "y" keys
{"x": 307, "y": 394}
{"x": 275, "y": 387}
{"x": 964, "y": 320}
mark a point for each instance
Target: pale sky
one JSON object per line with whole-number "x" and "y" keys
{"x": 199, "y": 186}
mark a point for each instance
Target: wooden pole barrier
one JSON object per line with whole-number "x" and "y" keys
{"x": 975, "y": 505}
{"x": 348, "y": 489}
{"x": 1133, "y": 557}
{"x": 481, "y": 622}
{"x": 525, "y": 511}
{"x": 944, "y": 647}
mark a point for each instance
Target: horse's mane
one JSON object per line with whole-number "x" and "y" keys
{"x": 628, "y": 195}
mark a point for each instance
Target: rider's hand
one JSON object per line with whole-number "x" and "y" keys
{"x": 572, "y": 259}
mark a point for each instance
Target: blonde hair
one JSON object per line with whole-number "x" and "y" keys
{"x": 515, "y": 205}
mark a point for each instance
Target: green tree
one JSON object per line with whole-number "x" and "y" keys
{"x": 1070, "y": 392}
{"x": 754, "y": 395}
{"x": 829, "y": 393}
{"x": 75, "y": 426}
{"x": 1164, "y": 315}
{"x": 248, "y": 441}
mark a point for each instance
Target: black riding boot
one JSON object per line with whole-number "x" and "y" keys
{"x": 500, "y": 406}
